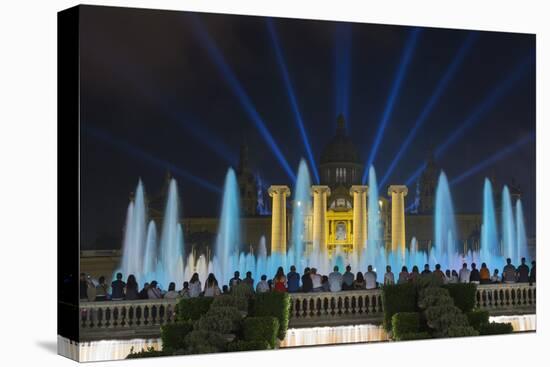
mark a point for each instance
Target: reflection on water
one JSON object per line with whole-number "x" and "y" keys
{"x": 104, "y": 350}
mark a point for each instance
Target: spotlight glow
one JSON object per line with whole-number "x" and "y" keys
{"x": 440, "y": 88}
{"x": 405, "y": 60}
{"x": 292, "y": 97}
{"x": 497, "y": 93}
{"x": 492, "y": 159}
{"x": 231, "y": 79}
{"x": 342, "y": 64}
{"x": 157, "y": 162}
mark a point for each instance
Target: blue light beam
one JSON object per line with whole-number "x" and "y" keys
{"x": 157, "y": 162}
{"x": 231, "y": 79}
{"x": 342, "y": 74}
{"x": 440, "y": 88}
{"x": 497, "y": 93}
{"x": 492, "y": 159}
{"x": 292, "y": 96}
{"x": 405, "y": 60}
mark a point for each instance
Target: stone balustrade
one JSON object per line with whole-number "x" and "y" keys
{"x": 144, "y": 318}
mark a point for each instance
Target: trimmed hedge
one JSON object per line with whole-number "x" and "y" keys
{"x": 220, "y": 319}
{"x": 276, "y": 304}
{"x": 150, "y": 352}
{"x": 203, "y": 341}
{"x": 193, "y": 308}
{"x": 397, "y": 298}
{"x": 495, "y": 328}
{"x": 415, "y": 336}
{"x": 230, "y": 301}
{"x": 478, "y": 319}
{"x": 458, "y": 331}
{"x": 463, "y": 294}
{"x": 173, "y": 335}
{"x": 262, "y": 328}
{"x": 404, "y": 323}
{"x": 242, "y": 290}
{"x": 243, "y": 345}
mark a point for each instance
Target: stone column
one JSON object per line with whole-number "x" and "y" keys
{"x": 398, "y": 193}
{"x": 359, "y": 194}
{"x": 279, "y": 194}
{"x": 320, "y": 194}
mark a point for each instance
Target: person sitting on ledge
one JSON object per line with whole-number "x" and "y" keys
{"x": 335, "y": 280}
{"x": 101, "y": 290}
{"x": 211, "y": 288}
{"x": 293, "y": 280}
{"x": 447, "y": 276}
{"x": 195, "y": 286}
{"x": 484, "y": 274}
{"x": 117, "y": 287}
{"x": 474, "y": 275}
{"x": 184, "y": 293}
{"x": 359, "y": 282}
{"x": 414, "y": 274}
{"x": 248, "y": 280}
{"x": 464, "y": 274}
{"x": 234, "y": 281}
{"x": 325, "y": 285}
{"x": 154, "y": 292}
{"x": 143, "y": 292}
{"x": 279, "y": 281}
{"x": 454, "y": 277}
{"x": 403, "y": 276}
{"x": 370, "y": 278}
{"x": 495, "y": 278}
{"x": 439, "y": 273}
{"x": 132, "y": 288}
{"x": 509, "y": 272}
{"x": 262, "y": 286}
{"x": 347, "y": 279}
{"x": 389, "y": 278}
{"x": 426, "y": 270}
{"x": 316, "y": 280}
{"x": 225, "y": 289}
{"x": 171, "y": 294}
{"x": 523, "y": 272}
{"x": 307, "y": 284}
{"x": 533, "y": 274}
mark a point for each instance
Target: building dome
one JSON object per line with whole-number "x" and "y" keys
{"x": 340, "y": 149}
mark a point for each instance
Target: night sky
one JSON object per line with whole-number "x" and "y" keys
{"x": 154, "y": 99}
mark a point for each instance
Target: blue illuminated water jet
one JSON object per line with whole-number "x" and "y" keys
{"x": 229, "y": 231}
{"x": 300, "y": 209}
{"x": 490, "y": 246}
{"x": 445, "y": 233}
{"x": 374, "y": 230}
{"x": 508, "y": 226}
{"x": 133, "y": 248}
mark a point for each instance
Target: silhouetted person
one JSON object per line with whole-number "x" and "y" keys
{"x": 316, "y": 280}
{"x": 335, "y": 280}
{"x": 523, "y": 272}
{"x": 293, "y": 280}
{"x": 533, "y": 274}
{"x": 474, "y": 275}
{"x": 132, "y": 288}
{"x": 347, "y": 279}
{"x": 195, "y": 286}
{"x": 495, "y": 278}
{"x": 448, "y": 276}
{"x": 325, "y": 285}
{"x": 211, "y": 288}
{"x": 509, "y": 272}
{"x": 171, "y": 294}
{"x": 414, "y": 274}
{"x": 464, "y": 274}
{"x": 184, "y": 293}
{"x": 484, "y": 274}
{"x": 307, "y": 284}
{"x": 370, "y": 278}
{"x": 83, "y": 286}
{"x": 439, "y": 273}
{"x": 143, "y": 292}
{"x": 154, "y": 291}
{"x": 235, "y": 280}
{"x": 117, "y": 287}
{"x": 279, "y": 282}
{"x": 389, "y": 278}
{"x": 248, "y": 280}
{"x": 101, "y": 290}
{"x": 403, "y": 275}
{"x": 426, "y": 270}
{"x": 262, "y": 286}
{"x": 359, "y": 282}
